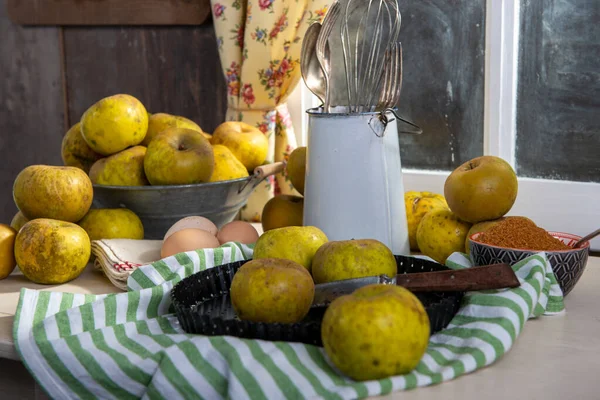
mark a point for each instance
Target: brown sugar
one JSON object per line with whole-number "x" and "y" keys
{"x": 521, "y": 233}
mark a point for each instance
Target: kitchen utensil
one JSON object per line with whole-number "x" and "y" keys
{"x": 390, "y": 78}
{"x": 348, "y": 199}
{"x": 586, "y": 238}
{"x": 398, "y": 85}
{"x": 497, "y": 276}
{"x": 567, "y": 265}
{"x": 203, "y": 306}
{"x": 368, "y": 29}
{"x": 159, "y": 207}
{"x": 322, "y": 46}
{"x": 309, "y": 64}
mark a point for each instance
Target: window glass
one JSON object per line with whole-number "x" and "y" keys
{"x": 558, "y": 107}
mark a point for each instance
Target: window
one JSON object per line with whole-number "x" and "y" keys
{"x": 516, "y": 79}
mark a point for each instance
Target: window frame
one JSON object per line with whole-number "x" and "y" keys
{"x": 556, "y": 205}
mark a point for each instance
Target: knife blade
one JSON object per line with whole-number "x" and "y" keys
{"x": 496, "y": 276}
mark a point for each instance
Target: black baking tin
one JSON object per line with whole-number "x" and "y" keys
{"x": 202, "y": 305}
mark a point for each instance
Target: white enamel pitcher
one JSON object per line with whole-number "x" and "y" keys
{"x": 354, "y": 187}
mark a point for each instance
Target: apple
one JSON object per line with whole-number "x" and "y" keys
{"x": 247, "y": 143}
{"x": 272, "y": 290}
{"x": 417, "y": 205}
{"x": 356, "y": 258}
{"x": 296, "y": 168}
{"x": 376, "y": 332}
{"x": 482, "y": 189}
{"x": 295, "y": 243}
{"x": 282, "y": 210}
{"x": 441, "y": 233}
{"x": 179, "y": 156}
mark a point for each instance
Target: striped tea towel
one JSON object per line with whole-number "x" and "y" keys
{"x": 118, "y": 258}
{"x": 128, "y": 345}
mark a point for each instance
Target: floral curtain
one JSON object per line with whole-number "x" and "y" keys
{"x": 259, "y": 46}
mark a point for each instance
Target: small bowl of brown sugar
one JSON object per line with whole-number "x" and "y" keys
{"x": 514, "y": 239}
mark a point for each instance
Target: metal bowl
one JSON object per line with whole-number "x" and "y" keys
{"x": 567, "y": 265}
{"x": 159, "y": 207}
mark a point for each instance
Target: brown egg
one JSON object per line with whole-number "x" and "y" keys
{"x": 237, "y": 231}
{"x": 188, "y": 240}
{"x": 195, "y": 222}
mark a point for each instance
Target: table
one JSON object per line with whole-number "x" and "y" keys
{"x": 554, "y": 357}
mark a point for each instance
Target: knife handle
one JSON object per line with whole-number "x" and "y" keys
{"x": 496, "y": 276}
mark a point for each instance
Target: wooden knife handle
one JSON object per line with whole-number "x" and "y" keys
{"x": 496, "y": 276}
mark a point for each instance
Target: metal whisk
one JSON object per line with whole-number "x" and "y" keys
{"x": 369, "y": 29}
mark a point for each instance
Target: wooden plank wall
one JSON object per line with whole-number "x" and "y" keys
{"x": 50, "y": 75}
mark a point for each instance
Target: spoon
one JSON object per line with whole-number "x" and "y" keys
{"x": 309, "y": 64}
{"x": 322, "y": 46}
{"x": 586, "y": 238}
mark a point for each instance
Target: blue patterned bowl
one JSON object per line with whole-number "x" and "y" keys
{"x": 568, "y": 265}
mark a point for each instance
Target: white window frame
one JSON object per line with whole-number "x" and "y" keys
{"x": 566, "y": 206}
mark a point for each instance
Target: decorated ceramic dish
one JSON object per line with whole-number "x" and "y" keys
{"x": 568, "y": 265}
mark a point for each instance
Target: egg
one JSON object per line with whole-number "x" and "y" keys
{"x": 188, "y": 239}
{"x": 195, "y": 222}
{"x": 237, "y": 231}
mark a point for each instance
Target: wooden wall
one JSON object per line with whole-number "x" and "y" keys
{"x": 50, "y": 75}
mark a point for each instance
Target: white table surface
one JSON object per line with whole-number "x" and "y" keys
{"x": 554, "y": 357}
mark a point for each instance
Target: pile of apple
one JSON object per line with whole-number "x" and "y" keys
{"x": 119, "y": 143}
{"x": 278, "y": 286}
{"x": 477, "y": 195}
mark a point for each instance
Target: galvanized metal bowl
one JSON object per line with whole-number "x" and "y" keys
{"x": 159, "y": 207}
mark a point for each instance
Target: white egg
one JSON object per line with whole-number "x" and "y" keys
{"x": 193, "y": 222}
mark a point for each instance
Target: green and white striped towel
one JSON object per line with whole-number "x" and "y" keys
{"x": 128, "y": 345}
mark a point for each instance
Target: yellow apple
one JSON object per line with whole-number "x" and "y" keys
{"x": 295, "y": 243}
{"x": 376, "y": 332}
{"x": 347, "y": 259}
{"x": 74, "y": 150}
{"x": 52, "y": 252}
{"x": 114, "y": 124}
{"x": 162, "y": 121}
{"x": 296, "y": 168}
{"x": 179, "y": 156}
{"x": 441, "y": 233}
{"x": 247, "y": 143}
{"x": 46, "y": 191}
{"x": 125, "y": 168}
{"x": 417, "y": 205}
{"x": 7, "y": 254}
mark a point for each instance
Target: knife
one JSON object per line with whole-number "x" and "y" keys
{"x": 496, "y": 276}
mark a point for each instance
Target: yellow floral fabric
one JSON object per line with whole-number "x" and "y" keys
{"x": 259, "y": 45}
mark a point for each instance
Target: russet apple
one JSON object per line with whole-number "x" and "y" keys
{"x": 282, "y": 210}
{"x": 376, "y": 332}
{"x": 179, "y": 156}
{"x": 272, "y": 290}
{"x": 247, "y": 143}
{"x": 482, "y": 189}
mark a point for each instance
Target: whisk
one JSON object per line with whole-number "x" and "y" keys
{"x": 369, "y": 29}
